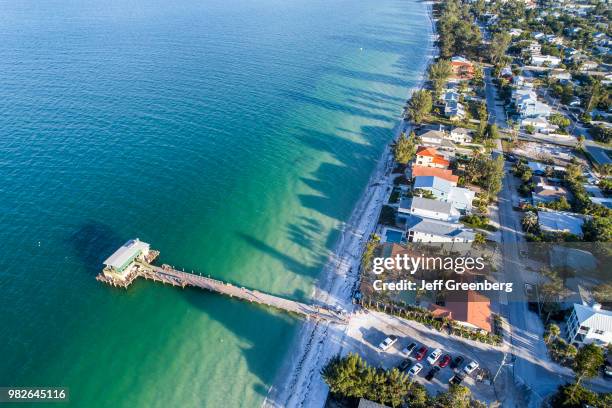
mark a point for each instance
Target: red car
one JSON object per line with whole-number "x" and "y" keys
{"x": 421, "y": 353}
{"x": 445, "y": 361}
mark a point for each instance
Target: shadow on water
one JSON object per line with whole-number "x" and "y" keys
{"x": 265, "y": 332}
{"x": 92, "y": 243}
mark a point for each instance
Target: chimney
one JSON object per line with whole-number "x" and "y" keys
{"x": 597, "y": 306}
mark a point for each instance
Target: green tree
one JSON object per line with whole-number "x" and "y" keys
{"x": 457, "y": 396}
{"x": 530, "y": 221}
{"x": 598, "y": 229}
{"x": 498, "y": 47}
{"x": 397, "y": 385}
{"x": 368, "y": 253}
{"x": 559, "y": 120}
{"x": 572, "y": 396}
{"x": 588, "y": 361}
{"x": 439, "y": 72}
{"x": 405, "y": 148}
{"x": 552, "y": 332}
{"x": 492, "y": 131}
{"x": 346, "y": 376}
{"x": 483, "y": 118}
{"x": 480, "y": 239}
{"x": 420, "y": 106}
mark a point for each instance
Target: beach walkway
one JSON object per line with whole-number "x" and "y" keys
{"x": 168, "y": 275}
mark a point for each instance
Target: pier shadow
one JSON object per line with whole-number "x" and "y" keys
{"x": 264, "y": 333}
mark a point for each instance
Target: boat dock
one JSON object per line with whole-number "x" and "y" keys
{"x": 140, "y": 266}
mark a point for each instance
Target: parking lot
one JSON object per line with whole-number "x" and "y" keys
{"x": 368, "y": 329}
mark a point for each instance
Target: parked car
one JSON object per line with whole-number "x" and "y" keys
{"x": 457, "y": 361}
{"x": 415, "y": 370}
{"x": 404, "y": 365}
{"x": 471, "y": 367}
{"x": 432, "y": 373}
{"x": 409, "y": 348}
{"x": 434, "y": 356}
{"x": 446, "y": 359}
{"x": 457, "y": 378}
{"x": 388, "y": 342}
{"x": 421, "y": 353}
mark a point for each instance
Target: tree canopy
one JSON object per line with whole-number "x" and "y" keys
{"x": 420, "y": 105}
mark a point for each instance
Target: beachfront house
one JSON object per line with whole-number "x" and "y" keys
{"x": 439, "y": 187}
{"x": 420, "y": 171}
{"x": 429, "y": 208}
{"x": 421, "y": 229}
{"x": 444, "y": 190}
{"x": 436, "y": 139}
{"x": 462, "y": 68}
{"x": 429, "y": 157}
{"x": 589, "y": 324}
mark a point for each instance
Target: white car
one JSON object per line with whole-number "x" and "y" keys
{"x": 470, "y": 367}
{"x": 388, "y": 342}
{"x": 434, "y": 356}
{"x": 415, "y": 370}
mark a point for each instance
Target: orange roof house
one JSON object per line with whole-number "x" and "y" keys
{"x": 462, "y": 68}
{"x": 428, "y": 156}
{"x": 469, "y": 308}
{"x": 445, "y": 174}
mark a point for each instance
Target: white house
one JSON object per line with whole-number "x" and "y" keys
{"x": 547, "y": 60}
{"x": 429, "y": 208}
{"x": 420, "y": 229}
{"x": 559, "y": 222}
{"x": 587, "y": 325}
{"x": 460, "y": 135}
{"x": 454, "y": 110}
{"x": 461, "y": 198}
{"x": 540, "y": 124}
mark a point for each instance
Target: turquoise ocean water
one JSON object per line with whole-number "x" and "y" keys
{"x": 234, "y": 136}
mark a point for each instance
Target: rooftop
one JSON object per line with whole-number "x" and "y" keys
{"x": 593, "y": 317}
{"x": 445, "y": 174}
{"x": 130, "y": 249}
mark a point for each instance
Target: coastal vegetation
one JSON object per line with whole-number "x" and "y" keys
{"x": 458, "y": 35}
{"x": 405, "y": 148}
{"x": 420, "y": 105}
{"x": 351, "y": 378}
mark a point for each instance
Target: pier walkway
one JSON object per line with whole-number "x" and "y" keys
{"x": 169, "y": 275}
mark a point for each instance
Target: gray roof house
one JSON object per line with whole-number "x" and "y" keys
{"x": 559, "y": 221}
{"x": 421, "y": 229}
{"x": 429, "y": 208}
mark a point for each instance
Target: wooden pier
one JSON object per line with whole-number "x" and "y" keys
{"x": 171, "y": 276}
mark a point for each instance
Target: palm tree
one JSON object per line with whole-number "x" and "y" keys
{"x": 530, "y": 221}
{"x": 552, "y": 332}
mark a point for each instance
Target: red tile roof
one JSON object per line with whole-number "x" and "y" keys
{"x": 467, "y": 306}
{"x": 436, "y": 172}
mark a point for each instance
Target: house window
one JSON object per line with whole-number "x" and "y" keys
{"x": 599, "y": 332}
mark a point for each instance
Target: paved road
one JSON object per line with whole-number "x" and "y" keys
{"x": 531, "y": 367}
{"x": 497, "y": 113}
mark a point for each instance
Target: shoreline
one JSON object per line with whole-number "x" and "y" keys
{"x": 299, "y": 382}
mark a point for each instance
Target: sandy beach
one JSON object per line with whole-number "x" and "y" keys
{"x": 299, "y": 383}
